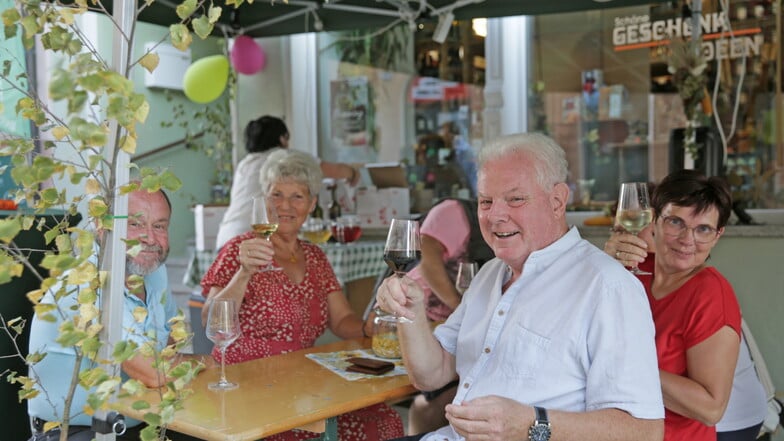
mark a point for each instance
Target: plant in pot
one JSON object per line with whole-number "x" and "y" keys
{"x": 85, "y": 127}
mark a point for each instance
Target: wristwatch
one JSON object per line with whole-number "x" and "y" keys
{"x": 540, "y": 429}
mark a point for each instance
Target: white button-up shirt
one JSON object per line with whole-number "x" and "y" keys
{"x": 574, "y": 332}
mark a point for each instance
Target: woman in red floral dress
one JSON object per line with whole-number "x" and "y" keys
{"x": 287, "y": 309}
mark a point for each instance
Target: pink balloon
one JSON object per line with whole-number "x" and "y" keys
{"x": 247, "y": 57}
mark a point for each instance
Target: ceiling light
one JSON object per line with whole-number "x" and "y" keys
{"x": 479, "y": 25}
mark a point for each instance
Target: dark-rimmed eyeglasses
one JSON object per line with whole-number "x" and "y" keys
{"x": 675, "y": 226}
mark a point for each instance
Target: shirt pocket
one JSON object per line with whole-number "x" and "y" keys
{"x": 524, "y": 353}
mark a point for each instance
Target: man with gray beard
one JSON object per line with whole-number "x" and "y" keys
{"x": 149, "y": 214}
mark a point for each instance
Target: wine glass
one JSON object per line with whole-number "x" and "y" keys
{"x": 402, "y": 249}
{"x": 223, "y": 327}
{"x": 466, "y": 271}
{"x": 316, "y": 230}
{"x": 264, "y": 221}
{"x": 634, "y": 211}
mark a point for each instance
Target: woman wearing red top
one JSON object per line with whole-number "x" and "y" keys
{"x": 696, "y": 314}
{"x": 286, "y": 310}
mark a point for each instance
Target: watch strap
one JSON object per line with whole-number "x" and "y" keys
{"x": 541, "y": 415}
{"x": 540, "y": 429}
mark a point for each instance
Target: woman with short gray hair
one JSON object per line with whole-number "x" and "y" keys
{"x": 288, "y": 308}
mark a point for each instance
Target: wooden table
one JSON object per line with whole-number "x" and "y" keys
{"x": 276, "y": 394}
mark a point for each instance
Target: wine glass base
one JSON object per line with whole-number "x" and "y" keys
{"x": 638, "y": 272}
{"x": 222, "y": 385}
{"x": 271, "y": 267}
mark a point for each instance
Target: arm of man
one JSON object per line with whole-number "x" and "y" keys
{"x": 429, "y": 366}
{"x": 498, "y": 418}
{"x": 434, "y": 271}
{"x": 703, "y": 394}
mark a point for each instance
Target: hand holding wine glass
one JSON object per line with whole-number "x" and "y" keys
{"x": 465, "y": 273}
{"x": 634, "y": 210}
{"x": 264, "y": 221}
{"x": 402, "y": 248}
{"x": 223, "y": 327}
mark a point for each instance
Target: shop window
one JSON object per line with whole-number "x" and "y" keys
{"x": 604, "y": 92}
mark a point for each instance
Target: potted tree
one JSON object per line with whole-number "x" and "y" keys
{"x": 91, "y": 111}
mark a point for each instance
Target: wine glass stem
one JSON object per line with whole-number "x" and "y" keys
{"x": 223, "y": 379}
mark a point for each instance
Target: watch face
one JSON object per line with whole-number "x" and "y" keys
{"x": 539, "y": 432}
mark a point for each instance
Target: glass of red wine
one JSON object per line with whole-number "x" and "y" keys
{"x": 402, "y": 249}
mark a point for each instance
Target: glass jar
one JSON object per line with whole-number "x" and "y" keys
{"x": 385, "y": 342}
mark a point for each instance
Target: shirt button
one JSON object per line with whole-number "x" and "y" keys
{"x": 487, "y": 350}
{"x": 465, "y": 385}
{"x": 501, "y": 312}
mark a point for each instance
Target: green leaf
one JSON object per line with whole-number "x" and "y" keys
{"x": 214, "y": 13}
{"x": 123, "y": 351}
{"x": 140, "y": 405}
{"x": 202, "y": 27}
{"x": 90, "y": 346}
{"x": 30, "y": 25}
{"x": 58, "y": 263}
{"x": 152, "y": 419}
{"x": 133, "y": 387}
{"x": 9, "y": 228}
{"x": 61, "y": 85}
{"x": 149, "y": 433}
{"x": 186, "y": 9}
{"x": 180, "y": 36}
{"x": 10, "y": 17}
{"x": 70, "y": 338}
{"x": 35, "y": 357}
{"x": 90, "y": 377}
{"x": 77, "y": 101}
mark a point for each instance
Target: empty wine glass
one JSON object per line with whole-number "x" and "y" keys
{"x": 466, "y": 271}
{"x": 634, "y": 211}
{"x": 264, "y": 222}
{"x": 402, "y": 250}
{"x": 223, "y": 327}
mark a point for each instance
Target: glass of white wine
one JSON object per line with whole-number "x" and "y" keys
{"x": 316, "y": 230}
{"x": 634, "y": 211}
{"x": 264, "y": 221}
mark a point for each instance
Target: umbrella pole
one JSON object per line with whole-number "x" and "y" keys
{"x": 114, "y": 254}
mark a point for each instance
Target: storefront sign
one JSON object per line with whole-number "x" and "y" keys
{"x": 638, "y": 31}
{"x": 426, "y": 89}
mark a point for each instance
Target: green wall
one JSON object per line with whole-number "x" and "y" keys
{"x": 194, "y": 168}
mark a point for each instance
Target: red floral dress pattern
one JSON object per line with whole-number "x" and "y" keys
{"x": 278, "y": 316}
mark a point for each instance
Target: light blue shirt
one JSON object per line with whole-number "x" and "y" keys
{"x": 55, "y": 370}
{"x": 574, "y": 332}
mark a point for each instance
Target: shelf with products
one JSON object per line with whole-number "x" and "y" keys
{"x": 459, "y": 58}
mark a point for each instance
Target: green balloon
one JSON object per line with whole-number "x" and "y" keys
{"x": 206, "y": 79}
